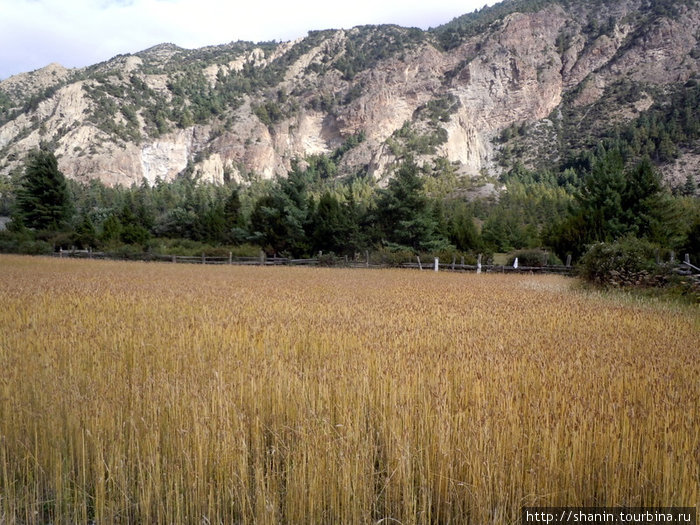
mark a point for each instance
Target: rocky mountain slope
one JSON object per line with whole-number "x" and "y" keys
{"x": 524, "y": 81}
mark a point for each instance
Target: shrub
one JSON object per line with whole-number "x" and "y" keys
{"x": 447, "y": 255}
{"x": 626, "y": 262}
{"x": 534, "y": 258}
{"x": 392, "y": 256}
{"x": 330, "y": 259}
{"x": 12, "y": 242}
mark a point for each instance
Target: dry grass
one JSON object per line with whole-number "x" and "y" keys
{"x": 134, "y": 392}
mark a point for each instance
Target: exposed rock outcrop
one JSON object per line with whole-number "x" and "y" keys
{"x": 239, "y": 109}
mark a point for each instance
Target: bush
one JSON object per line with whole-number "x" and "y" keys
{"x": 22, "y": 242}
{"x": 392, "y": 256}
{"x": 188, "y": 247}
{"x": 535, "y": 258}
{"x": 447, "y": 255}
{"x": 330, "y": 259}
{"x": 130, "y": 252}
{"x": 626, "y": 262}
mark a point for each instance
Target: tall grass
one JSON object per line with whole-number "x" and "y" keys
{"x": 136, "y": 392}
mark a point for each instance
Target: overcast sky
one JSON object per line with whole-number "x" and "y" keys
{"x": 77, "y": 33}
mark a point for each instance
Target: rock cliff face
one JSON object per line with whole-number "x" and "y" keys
{"x": 245, "y": 109}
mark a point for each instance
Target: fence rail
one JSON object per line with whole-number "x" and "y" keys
{"x": 262, "y": 260}
{"x": 345, "y": 262}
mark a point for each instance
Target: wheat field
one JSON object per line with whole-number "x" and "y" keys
{"x": 163, "y": 393}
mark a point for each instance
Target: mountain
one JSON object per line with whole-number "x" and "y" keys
{"x": 531, "y": 82}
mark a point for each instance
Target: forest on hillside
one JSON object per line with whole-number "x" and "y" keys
{"x": 421, "y": 211}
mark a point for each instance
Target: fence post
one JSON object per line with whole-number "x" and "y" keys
{"x": 262, "y": 258}
{"x": 60, "y": 252}
{"x": 437, "y": 264}
{"x": 454, "y": 260}
{"x": 174, "y": 258}
{"x": 230, "y": 257}
{"x": 478, "y": 264}
{"x": 462, "y": 262}
{"x": 367, "y": 257}
{"x": 203, "y": 258}
{"x": 673, "y": 256}
{"x": 420, "y": 266}
{"x": 568, "y": 260}
{"x": 687, "y": 258}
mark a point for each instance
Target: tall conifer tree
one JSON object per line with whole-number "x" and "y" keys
{"x": 43, "y": 201}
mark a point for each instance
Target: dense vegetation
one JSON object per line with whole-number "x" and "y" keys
{"x": 455, "y": 32}
{"x": 312, "y": 211}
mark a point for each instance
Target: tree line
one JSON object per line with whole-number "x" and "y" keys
{"x": 420, "y": 211}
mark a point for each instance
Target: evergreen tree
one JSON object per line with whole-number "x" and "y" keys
{"x": 404, "y": 211}
{"x": 649, "y": 210}
{"x": 462, "y": 231}
{"x": 268, "y": 225}
{"x": 85, "y": 235}
{"x": 43, "y": 201}
{"x": 330, "y": 226}
{"x": 213, "y": 224}
{"x": 280, "y": 220}
{"x": 132, "y": 232}
{"x": 640, "y": 199}
{"x": 690, "y": 187}
{"x": 232, "y": 209}
{"x": 111, "y": 230}
{"x": 234, "y": 223}
{"x": 600, "y": 200}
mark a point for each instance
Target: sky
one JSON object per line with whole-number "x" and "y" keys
{"x": 78, "y": 33}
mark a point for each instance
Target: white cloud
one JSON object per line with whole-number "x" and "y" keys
{"x": 76, "y": 33}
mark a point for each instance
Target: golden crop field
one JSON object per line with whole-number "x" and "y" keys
{"x": 164, "y": 393}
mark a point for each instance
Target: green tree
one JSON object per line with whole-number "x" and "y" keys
{"x": 111, "y": 230}
{"x": 234, "y": 222}
{"x": 689, "y": 187}
{"x": 212, "y": 224}
{"x": 330, "y": 226}
{"x": 232, "y": 209}
{"x": 268, "y": 225}
{"x": 463, "y": 233}
{"x": 280, "y": 219}
{"x": 132, "y": 231}
{"x": 85, "y": 235}
{"x": 404, "y": 212}
{"x": 43, "y": 200}
{"x": 600, "y": 200}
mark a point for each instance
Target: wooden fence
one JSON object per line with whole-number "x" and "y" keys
{"x": 685, "y": 267}
{"x": 344, "y": 262}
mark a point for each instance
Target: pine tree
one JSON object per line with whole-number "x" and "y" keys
{"x": 43, "y": 201}
{"x": 232, "y": 210}
{"x": 404, "y": 210}
{"x": 600, "y": 200}
{"x": 642, "y": 200}
{"x": 331, "y": 227}
{"x": 463, "y": 233}
{"x": 690, "y": 187}
{"x": 234, "y": 222}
